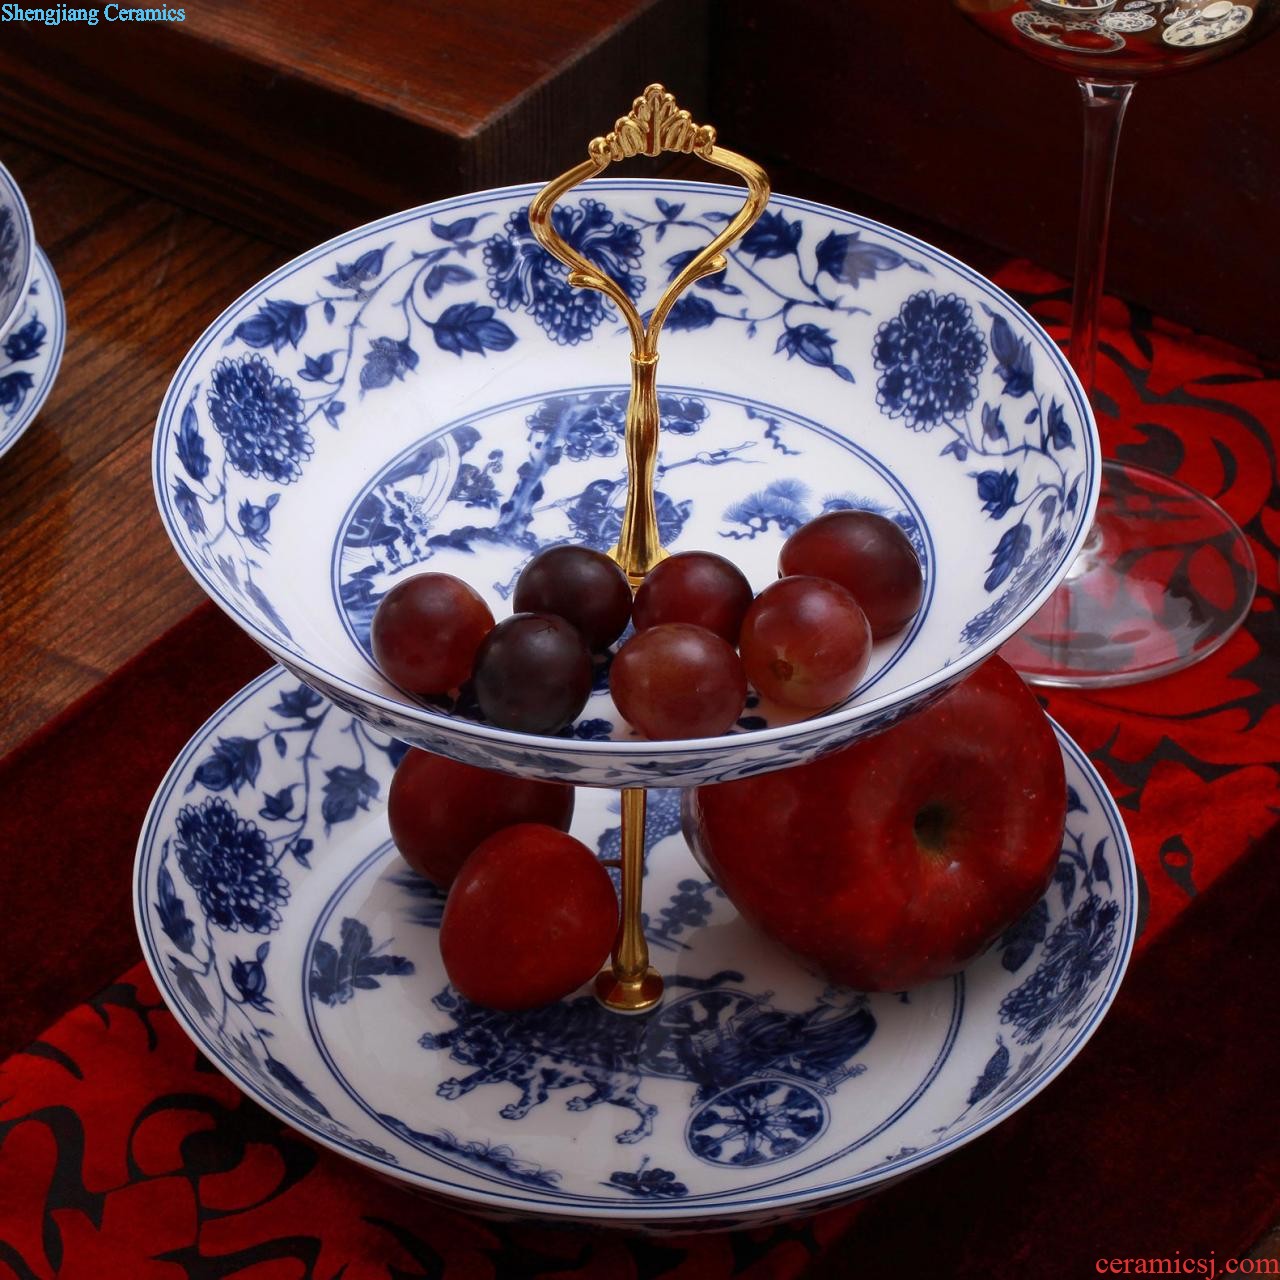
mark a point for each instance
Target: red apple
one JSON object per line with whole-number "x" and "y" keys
{"x": 899, "y": 859}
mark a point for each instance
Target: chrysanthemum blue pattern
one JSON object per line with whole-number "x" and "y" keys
{"x": 259, "y": 416}
{"x": 227, "y": 860}
{"x": 230, "y": 849}
{"x": 930, "y": 355}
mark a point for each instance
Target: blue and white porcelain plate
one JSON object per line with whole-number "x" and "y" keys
{"x": 300, "y": 954}
{"x": 17, "y": 250}
{"x": 31, "y": 354}
{"x": 429, "y": 392}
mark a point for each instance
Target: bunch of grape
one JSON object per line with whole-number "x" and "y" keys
{"x": 848, "y": 579}
{"x": 519, "y": 886}
{"x": 432, "y": 634}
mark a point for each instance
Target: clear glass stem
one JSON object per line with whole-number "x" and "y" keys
{"x": 1104, "y": 106}
{"x": 1115, "y": 619}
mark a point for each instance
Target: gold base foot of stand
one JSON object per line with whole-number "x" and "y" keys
{"x": 630, "y": 984}
{"x": 629, "y": 995}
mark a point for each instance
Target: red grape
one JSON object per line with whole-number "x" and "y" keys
{"x": 440, "y": 810}
{"x": 869, "y": 556}
{"x": 532, "y": 673}
{"x": 697, "y": 587}
{"x": 530, "y": 918}
{"x": 426, "y": 631}
{"x": 581, "y": 585}
{"x": 678, "y": 681}
{"x": 805, "y": 643}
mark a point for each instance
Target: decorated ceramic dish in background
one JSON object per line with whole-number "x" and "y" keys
{"x": 31, "y": 353}
{"x": 301, "y": 955}
{"x": 429, "y": 392}
{"x": 17, "y": 250}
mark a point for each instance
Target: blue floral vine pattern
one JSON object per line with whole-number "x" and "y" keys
{"x": 844, "y": 259}
{"x": 294, "y": 364}
{"x": 22, "y": 346}
{"x": 930, "y": 356}
{"x": 266, "y": 420}
{"x": 1071, "y": 958}
{"x": 234, "y": 846}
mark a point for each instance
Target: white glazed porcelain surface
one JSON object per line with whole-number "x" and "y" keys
{"x": 428, "y": 392}
{"x": 301, "y": 955}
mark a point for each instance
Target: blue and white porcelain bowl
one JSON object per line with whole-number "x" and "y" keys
{"x": 31, "y": 354}
{"x": 429, "y": 392}
{"x": 300, "y": 953}
{"x": 17, "y": 250}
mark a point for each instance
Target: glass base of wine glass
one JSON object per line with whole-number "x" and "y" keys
{"x": 1164, "y": 578}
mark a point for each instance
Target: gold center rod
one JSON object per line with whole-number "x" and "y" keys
{"x": 631, "y": 984}
{"x": 655, "y": 124}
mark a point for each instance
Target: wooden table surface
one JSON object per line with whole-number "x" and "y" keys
{"x": 88, "y": 577}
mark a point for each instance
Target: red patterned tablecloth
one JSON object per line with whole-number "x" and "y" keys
{"x": 123, "y": 1153}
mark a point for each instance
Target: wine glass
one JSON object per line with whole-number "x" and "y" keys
{"x": 1121, "y": 615}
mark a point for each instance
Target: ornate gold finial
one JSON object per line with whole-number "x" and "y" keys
{"x": 654, "y": 125}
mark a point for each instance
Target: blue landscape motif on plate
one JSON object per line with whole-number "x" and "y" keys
{"x": 434, "y": 500}
{"x": 282, "y": 788}
{"x": 759, "y": 1073}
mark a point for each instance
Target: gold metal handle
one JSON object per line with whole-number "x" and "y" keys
{"x": 655, "y": 124}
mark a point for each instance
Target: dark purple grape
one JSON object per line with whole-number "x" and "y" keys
{"x": 676, "y": 680}
{"x": 533, "y": 673}
{"x": 579, "y": 584}
{"x": 697, "y": 587}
